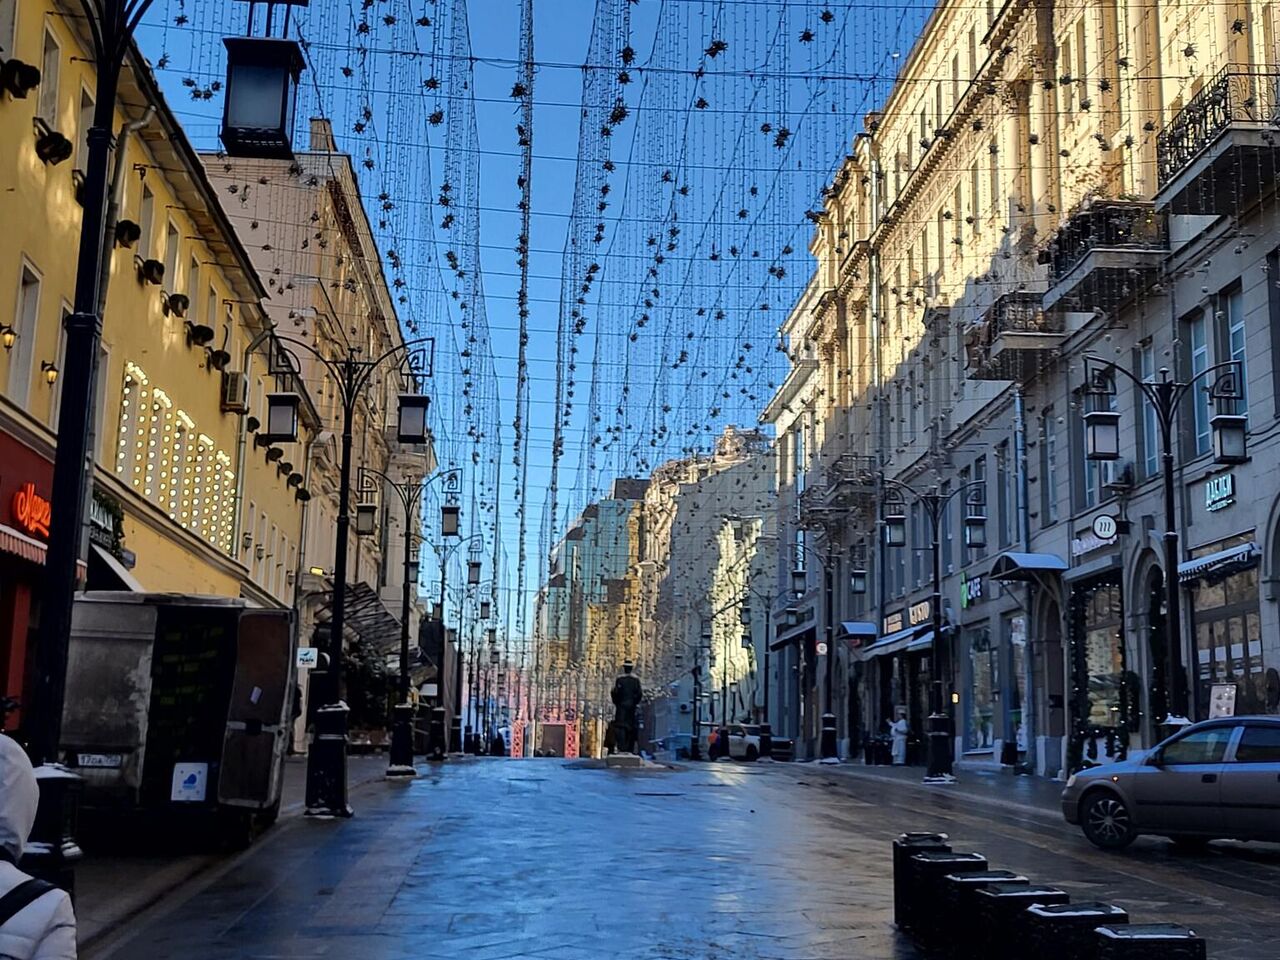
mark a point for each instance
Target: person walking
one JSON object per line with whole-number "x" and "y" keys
{"x": 36, "y": 919}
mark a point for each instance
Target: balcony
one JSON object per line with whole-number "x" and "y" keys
{"x": 1217, "y": 156}
{"x": 1104, "y": 255}
{"x": 1013, "y": 338}
{"x": 841, "y": 489}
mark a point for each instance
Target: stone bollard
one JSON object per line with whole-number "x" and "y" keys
{"x": 1065, "y": 931}
{"x": 906, "y": 846}
{"x": 1148, "y": 941}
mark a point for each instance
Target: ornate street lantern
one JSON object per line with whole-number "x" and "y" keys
{"x": 413, "y": 418}
{"x": 449, "y": 520}
{"x": 282, "y": 418}
{"x": 793, "y": 616}
{"x": 366, "y": 519}
{"x": 799, "y": 582}
{"x": 895, "y": 525}
{"x": 975, "y": 531}
{"x": 1102, "y": 435}
{"x": 262, "y": 83}
{"x": 858, "y": 580}
{"x": 414, "y": 568}
{"x": 1229, "y": 437}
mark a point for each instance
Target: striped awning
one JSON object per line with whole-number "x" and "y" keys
{"x": 1221, "y": 563}
{"x": 18, "y": 544}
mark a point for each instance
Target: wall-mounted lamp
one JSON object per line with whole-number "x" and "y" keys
{"x": 8, "y": 336}
{"x": 50, "y": 371}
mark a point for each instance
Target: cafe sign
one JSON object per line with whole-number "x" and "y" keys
{"x": 31, "y": 512}
{"x": 892, "y": 623}
{"x": 970, "y": 591}
{"x": 919, "y": 612}
{"x": 1219, "y": 492}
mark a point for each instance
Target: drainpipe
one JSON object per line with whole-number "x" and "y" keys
{"x": 1024, "y": 534}
{"x": 104, "y": 276}
{"x": 877, "y": 371}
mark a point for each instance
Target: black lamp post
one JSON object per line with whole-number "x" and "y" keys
{"x": 326, "y": 793}
{"x": 400, "y": 760}
{"x": 1225, "y": 385}
{"x": 975, "y": 536}
{"x": 828, "y": 745}
{"x": 53, "y": 852}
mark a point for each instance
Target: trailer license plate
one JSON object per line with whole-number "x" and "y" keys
{"x": 101, "y": 759}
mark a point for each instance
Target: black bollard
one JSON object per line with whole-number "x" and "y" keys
{"x": 905, "y": 846}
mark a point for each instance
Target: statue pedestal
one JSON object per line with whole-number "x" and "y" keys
{"x": 623, "y": 761}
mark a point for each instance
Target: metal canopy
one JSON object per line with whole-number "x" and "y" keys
{"x": 857, "y": 628}
{"x": 368, "y": 616}
{"x": 1026, "y": 566}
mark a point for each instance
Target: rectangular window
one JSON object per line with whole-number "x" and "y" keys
{"x": 1048, "y": 468}
{"x": 22, "y": 355}
{"x": 1147, "y": 419}
{"x": 101, "y": 375}
{"x": 993, "y": 156}
{"x": 917, "y": 543}
{"x": 980, "y": 477}
{"x": 1235, "y": 343}
{"x": 946, "y": 532}
{"x": 171, "y": 257}
{"x": 1004, "y": 505}
{"x": 975, "y": 196}
{"x": 86, "y": 121}
{"x": 1096, "y": 474}
{"x": 146, "y": 222}
{"x": 941, "y": 222}
{"x": 1082, "y": 64}
{"x": 1064, "y": 63}
{"x": 60, "y": 362}
{"x": 973, "y": 53}
{"x": 50, "y": 63}
{"x": 955, "y": 81}
{"x": 1197, "y": 346}
{"x": 193, "y": 290}
{"x": 8, "y": 20}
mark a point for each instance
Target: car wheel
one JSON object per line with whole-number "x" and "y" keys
{"x": 1106, "y": 821}
{"x": 752, "y": 754}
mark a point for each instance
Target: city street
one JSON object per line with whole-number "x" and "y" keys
{"x": 492, "y": 859}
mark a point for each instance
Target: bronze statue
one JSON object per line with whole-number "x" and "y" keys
{"x": 626, "y": 697}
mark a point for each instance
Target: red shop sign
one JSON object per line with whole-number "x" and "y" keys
{"x": 31, "y": 511}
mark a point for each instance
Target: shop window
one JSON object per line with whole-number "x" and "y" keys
{"x": 1100, "y": 678}
{"x": 1259, "y": 745}
{"x": 983, "y": 684}
{"x": 1203, "y": 746}
{"x": 1196, "y": 345}
{"x": 1228, "y": 635}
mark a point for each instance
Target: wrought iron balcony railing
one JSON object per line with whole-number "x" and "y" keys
{"x": 1237, "y": 95}
{"x": 1021, "y": 312}
{"x": 1106, "y": 224}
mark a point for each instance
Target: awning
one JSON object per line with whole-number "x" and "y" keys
{"x": 922, "y": 642}
{"x": 857, "y": 628}
{"x": 893, "y": 643}
{"x": 368, "y": 616}
{"x": 789, "y": 638}
{"x": 104, "y": 564}
{"x": 1025, "y": 566}
{"x": 18, "y": 544}
{"x": 1222, "y": 563}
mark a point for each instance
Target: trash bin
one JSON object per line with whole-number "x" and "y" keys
{"x": 1148, "y": 941}
{"x": 954, "y": 917}
{"x": 904, "y": 847}
{"x": 924, "y": 885}
{"x": 999, "y": 917}
{"x": 1064, "y": 931}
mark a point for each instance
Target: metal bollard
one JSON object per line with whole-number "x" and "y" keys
{"x": 1000, "y": 913}
{"x": 956, "y": 919}
{"x": 904, "y": 847}
{"x": 926, "y": 879}
{"x": 1148, "y": 941}
{"x": 1065, "y": 931}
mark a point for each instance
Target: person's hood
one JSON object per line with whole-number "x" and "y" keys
{"x": 19, "y": 795}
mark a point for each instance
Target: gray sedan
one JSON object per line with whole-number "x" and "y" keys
{"x": 1213, "y": 780}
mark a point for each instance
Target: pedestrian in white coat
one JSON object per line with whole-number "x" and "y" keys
{"x": 36, "y": 920}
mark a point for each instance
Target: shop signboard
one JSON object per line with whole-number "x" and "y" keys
{"x": 1220, "y": 492}
{"x": 919, "y": 612}
{"x": 892, "y": 623}
{"x": 970, "y": 591}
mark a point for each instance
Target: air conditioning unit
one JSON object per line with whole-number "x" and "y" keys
{"x": 235, "y": 392}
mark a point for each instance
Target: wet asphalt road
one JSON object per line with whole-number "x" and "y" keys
{"x": 489, "y": 859}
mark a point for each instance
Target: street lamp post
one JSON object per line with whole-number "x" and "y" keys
{"x": 53, "y": 852}
{"x": 326, "y": 793}
{"x": 1102, "y": 443}
{"x": 449, "y": 528}
{"x": 400, "y": 761}
{"x": 828, "y": 743}
{"x": 935, "y": 504}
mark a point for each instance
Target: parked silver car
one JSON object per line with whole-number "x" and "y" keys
{"x": 1217, "y": 779}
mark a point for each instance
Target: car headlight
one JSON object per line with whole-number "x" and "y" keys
{"x": 1071, "y": 781}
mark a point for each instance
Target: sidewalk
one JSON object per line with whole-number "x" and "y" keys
{"x": 111, "y": 890}
{"x": 1034, "y": 796}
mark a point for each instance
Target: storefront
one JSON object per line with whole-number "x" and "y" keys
{"x": 1100, "y": 679}
{"x": 900, "y": 667}
{"x": 1230, "y": 673}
